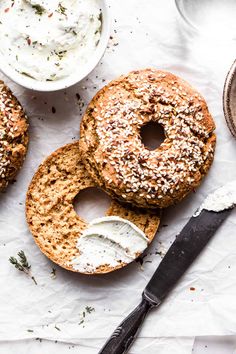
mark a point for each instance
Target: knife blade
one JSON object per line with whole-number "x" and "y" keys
{"x": 187, "y": 246}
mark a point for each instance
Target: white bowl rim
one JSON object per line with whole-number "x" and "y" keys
{"x": 74, "y": 78}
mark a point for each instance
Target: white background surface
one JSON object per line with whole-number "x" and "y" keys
{"x": 146, "y": 36}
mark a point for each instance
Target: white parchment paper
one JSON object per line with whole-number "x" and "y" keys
{"x": 141, "y": 346}
{"x": 204, "y": 302}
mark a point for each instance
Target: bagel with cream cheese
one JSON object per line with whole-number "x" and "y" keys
{"x": 57, "y": 228}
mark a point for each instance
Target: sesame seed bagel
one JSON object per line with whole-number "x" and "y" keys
{"x": 50, "y": 214}
{"x": 13, "y": 136}
{"x": 114, "y": 154}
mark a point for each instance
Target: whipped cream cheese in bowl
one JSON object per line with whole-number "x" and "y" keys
{"x": 48, "y": 45}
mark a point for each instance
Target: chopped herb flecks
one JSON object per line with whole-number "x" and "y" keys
{"x": 61, "y": 9}
{"x": 39, "y": 10}
{"x": 88, "y": 310}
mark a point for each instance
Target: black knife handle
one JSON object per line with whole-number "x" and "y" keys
{"x": 125, "y": 333}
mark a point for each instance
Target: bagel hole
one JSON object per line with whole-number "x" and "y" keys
{"x": 91, "y": 203}
{"x": 152, "y": 135}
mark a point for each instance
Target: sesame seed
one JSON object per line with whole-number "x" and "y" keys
{"x": 165, "y": 171}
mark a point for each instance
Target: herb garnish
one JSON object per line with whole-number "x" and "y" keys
{"x": 60, "y": 54}
{"x": 61, "y": 9}
{"x": 89, "y": 310}
{"x": 26, "y": 74}
{"x": 53, "y": 273}
{"x": 81, "y": 322}
{"x": 39, "y": 10}
{"x": 22, "y": 264}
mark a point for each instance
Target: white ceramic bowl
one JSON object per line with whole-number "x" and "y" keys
{"x": 76, "y": 76}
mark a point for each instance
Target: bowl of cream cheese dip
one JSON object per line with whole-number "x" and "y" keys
{"x": 48, "y": 45}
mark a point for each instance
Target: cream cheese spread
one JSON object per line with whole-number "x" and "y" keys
{"x": 221, "y": 199}
{"x": 49, "y": 39}
{"x": 108, "y": 241}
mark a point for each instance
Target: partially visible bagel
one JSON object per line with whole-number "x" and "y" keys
{"x": 114, "y": 154}
{"x": 13, "y": 136}
{"x": 50, "y": 213}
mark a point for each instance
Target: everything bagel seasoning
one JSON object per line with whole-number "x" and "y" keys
{"x": 115, "y": 154}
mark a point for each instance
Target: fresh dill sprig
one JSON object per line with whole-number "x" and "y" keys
{"x": 22, "y": 264}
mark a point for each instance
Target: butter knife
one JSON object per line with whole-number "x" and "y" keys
{"x": 184, "y": 250}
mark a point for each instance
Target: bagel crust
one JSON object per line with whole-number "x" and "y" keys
{"x": 50, "y": 214}
{"x": 114, "y": 154}
{"x": 13, "y": 136}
